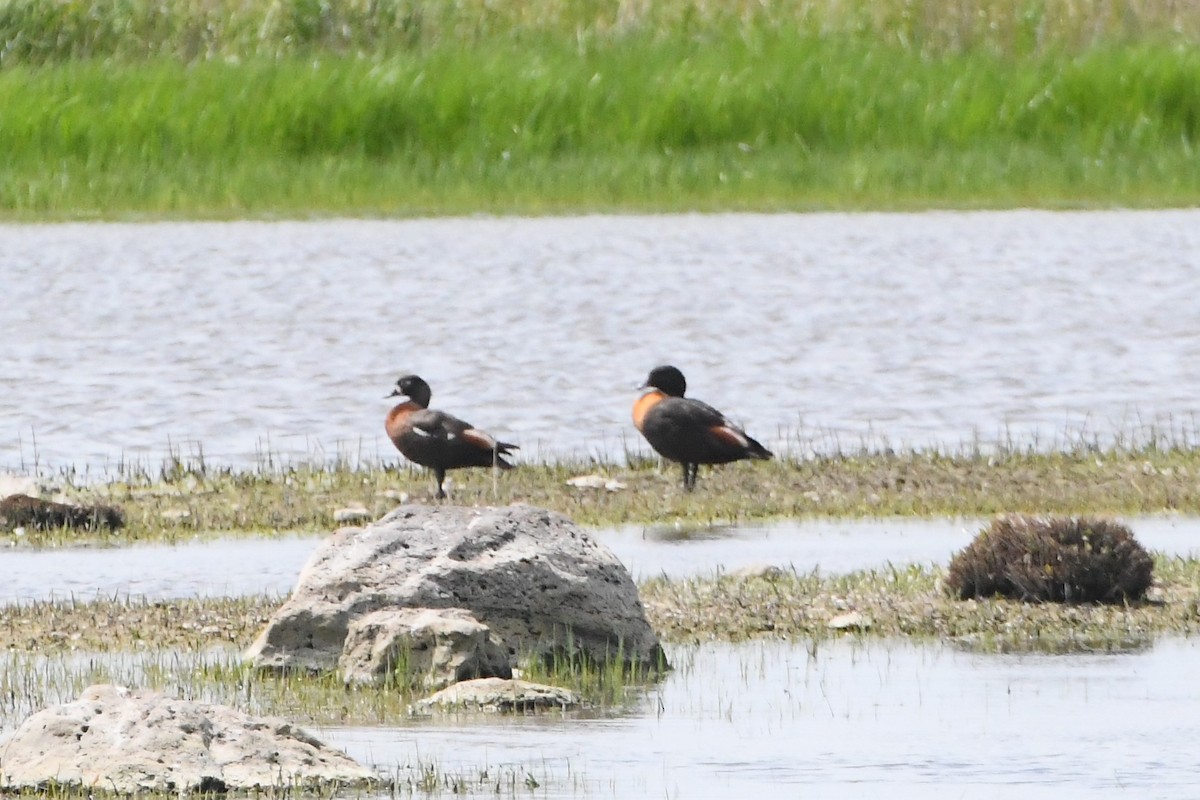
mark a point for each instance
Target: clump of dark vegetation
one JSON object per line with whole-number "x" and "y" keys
{"x": 1053, "y": 559}
{"x": 23, "y": 511}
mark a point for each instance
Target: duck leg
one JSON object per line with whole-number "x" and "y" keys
{"x": 440, "y": 475}
{"x": 689, "y": 476}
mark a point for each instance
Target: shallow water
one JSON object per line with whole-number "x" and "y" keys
{"x": 244, "y": 341}
{"x": 234, "y": 567}
{"x": 844, "y": 718}
{"x": 847, "y": 719}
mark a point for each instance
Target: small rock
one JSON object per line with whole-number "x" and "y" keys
{"x": 766, "y": 572}
{"x": 851, "y": 620}
{"x": 595, "y": 482}
{"x": 442, "y": 645}
{"x": 175, "y": 515}
{"x": 352, "y": 514}
{"x": 498, "y": 695}
{"x": 587, "y": 481}
{"x": 1155, "y": 596}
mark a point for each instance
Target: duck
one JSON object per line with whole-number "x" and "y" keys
{"x": 689, "y": 431}
{"x": 438, "y": 440}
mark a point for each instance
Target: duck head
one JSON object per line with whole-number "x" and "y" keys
{"x": 414, "y": 388}
{"x": 667, "y": 379}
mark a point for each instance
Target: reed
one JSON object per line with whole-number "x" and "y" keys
{"x": 37, "y": 31}
{"x": 696, "y": 110}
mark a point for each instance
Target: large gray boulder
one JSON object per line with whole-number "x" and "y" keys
{"x": 126, "y": 741}
{"x": 538, "y": 584}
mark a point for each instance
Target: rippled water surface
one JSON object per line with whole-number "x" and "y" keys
{"x": 244, "y": 340}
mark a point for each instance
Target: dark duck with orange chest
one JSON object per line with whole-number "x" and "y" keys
{"x": 438, "y": 440}
{"x": 686, "y": 430}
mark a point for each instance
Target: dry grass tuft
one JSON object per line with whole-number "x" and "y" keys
{"x": 1053, "y": 559}
{"x": 23, "y": 511}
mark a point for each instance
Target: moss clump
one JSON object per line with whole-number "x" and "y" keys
{"x": 23, "y": 511}
{"x": 1053, "y": 559}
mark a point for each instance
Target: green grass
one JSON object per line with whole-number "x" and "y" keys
{"x": 908, "y": 601}
{"x": 900, "y": 601}
{"x": 183, "y": 501}
{"x": 684, "y": 108}
{"x": 194, "y": 645}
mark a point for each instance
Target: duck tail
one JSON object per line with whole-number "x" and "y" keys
{"x": 504, "y": 449}
{"x": 755, "y": 450}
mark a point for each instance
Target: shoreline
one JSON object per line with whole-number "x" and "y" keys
{"x": 191, "y": 502}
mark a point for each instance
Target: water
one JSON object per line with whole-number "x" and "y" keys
{"x": 843, "y": 718}
{"x": 235, "y": 567}
{"x": 246, "y": 341}
{"x": 847, "y": 719}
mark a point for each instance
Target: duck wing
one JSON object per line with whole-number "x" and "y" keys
{"x": 692, "y": 431}
{"x": 450, "y": 442}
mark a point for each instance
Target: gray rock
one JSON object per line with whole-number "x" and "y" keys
{"x": 442, "y": 645}
{"x": 125, "y": 741}
{"x": 541, "y": 585}
{"x": 498, "y": 695}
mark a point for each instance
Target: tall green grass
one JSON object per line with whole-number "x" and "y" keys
{"x": 226, "y": 108}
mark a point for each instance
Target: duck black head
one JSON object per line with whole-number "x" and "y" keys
{"x": 667, "y": 379}
{"x": 414, "y": 388}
